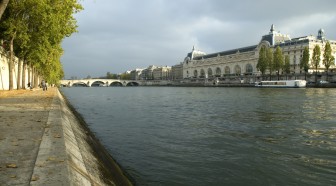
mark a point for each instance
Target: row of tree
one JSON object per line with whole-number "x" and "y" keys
{"x": 33, "y": 31}
{"x": 276, "y": 61}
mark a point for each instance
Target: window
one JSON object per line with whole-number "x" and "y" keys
{"x": 209, "y": 72}
{"x": 227, "y": 70}
{"x": 195, "y": 73}
{"x": 218, "y": 72}
{"x": 202, "y": 75}
{"x": 249, "y": 69}
{"x": 237, "y": 70}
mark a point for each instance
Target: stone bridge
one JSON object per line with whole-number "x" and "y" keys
{"x": 99, "y": 82}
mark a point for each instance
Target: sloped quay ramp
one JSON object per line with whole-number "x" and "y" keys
{"x": 69, "y": 153}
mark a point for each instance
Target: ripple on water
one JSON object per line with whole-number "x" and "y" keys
{"x": 215, "y": 136}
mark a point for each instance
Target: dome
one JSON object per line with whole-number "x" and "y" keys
{"x": 320, "y": 34}
{"x": 272, "y": 28}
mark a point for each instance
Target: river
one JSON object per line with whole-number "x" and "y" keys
{"x": 215, "y": 136}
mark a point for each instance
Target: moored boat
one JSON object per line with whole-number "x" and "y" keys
{"x": 282, "y": 83}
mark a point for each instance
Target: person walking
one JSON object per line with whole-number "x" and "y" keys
{"x": 43, "y": 83}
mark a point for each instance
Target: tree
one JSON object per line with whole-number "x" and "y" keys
{"x": 3, "y": 5}
{"x": 316, "y": 58}
{"x": 286, "y": 67}
{"x": 125, "y": 76}
{"x": 13, "y": 26}
{"x": 304, "y": 63}
{"x": 269, "y": 59}
{"x": 278, "y": 60}
{"x": 328, "y": 58}
{"x": 262, "y": 63}
{"x": 35, "y": 29}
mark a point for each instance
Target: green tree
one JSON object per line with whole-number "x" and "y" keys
{"x": 269, "y": 59}
{"x": 125, "y": 76}
{"x": 14, "y": 26}
{"x": 316, "y": 58}
{"x": 35, "y": 29}
{"x": 304, "y": 63}
{"x": 328, "y": 58}
{"x": 262, "y": 63}
{"x": 286, "y": 67}
{"x": 278, "y": 60}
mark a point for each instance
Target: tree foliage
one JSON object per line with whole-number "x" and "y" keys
{"x": 269, "y": 60}
{"x": 286, "y": 67}
{"x": 316, "y": 58}
{"x": 304, "y": 63}
{"x": 37, "y": 28}
{"x": 328, "y": 58}
{"x": 125, "y": 76}
{"x": 262, "y": 63}
{"x": 111, "y": 76}
{"x": 278, "y": 60}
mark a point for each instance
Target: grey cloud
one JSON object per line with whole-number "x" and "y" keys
{"x": 115, "y": 36}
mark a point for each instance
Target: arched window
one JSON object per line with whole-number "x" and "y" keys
{"x": 249, "y": 69}
{"x": 227, "y": 70}
{"x": 237, "y": 70}
{"x": 195, "y": 74}
{"x": 209, "y": 72}
{"x": 218, "y": 72}
{"x": 202, "y": 75}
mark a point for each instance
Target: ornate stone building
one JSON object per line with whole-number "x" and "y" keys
{"x": 243, "y": 61}
{"x": 162, "y": 73}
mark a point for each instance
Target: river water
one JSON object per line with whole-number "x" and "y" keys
{"x": 215, "y": 136}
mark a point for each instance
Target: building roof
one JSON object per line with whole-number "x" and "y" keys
{"x": 228, "y": 52}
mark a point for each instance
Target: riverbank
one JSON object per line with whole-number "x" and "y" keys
{"x": 43, "y": 142}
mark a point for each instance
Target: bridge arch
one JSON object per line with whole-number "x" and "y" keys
{"x": 97, "y": 84}
{"x": 132, "y": 83}
{"x": 79, "y": 84}
{"x": 115, "y": 84}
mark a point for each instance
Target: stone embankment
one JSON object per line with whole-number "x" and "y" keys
{"x": 44, "y": 142}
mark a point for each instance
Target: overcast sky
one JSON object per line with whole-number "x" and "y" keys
{"x": 119, "y": 35}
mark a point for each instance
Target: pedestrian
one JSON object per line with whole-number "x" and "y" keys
{"x": 43, "y": 85}
{"x": 29, "y": 86}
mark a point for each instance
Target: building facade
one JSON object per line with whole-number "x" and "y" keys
{"x": 177, "y": 72}
{"x": 136, "y": 74}
{"x": 147, "y": 74}
{"x": 243, "y": 61}
{"x": 162, "y": 73}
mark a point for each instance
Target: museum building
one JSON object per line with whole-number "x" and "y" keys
{"x": 243, "y": 61}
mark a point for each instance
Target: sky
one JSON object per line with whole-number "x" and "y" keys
{"x": 119, "y": 35}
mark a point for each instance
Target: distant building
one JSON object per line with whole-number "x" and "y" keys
{"x": 147, "y": 74}
{"x": 136, "y": 74}
{"x": 243, "y": 61}
{"x": 177, "y": 72}
{"x": 162, "y": 73}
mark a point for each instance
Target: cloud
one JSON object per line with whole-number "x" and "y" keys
{"x": 115, "y": 36}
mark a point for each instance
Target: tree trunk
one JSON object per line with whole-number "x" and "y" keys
{"x": 315, "y": 75}
{"x": 19, "y": 75}
{"x": 305, "y": 75}
{"x": 3, "y": 5}
{"x": 24, "y": 68}
{"x": 11, "y": 65}
{"x": 29, "y": 75}
{"x": 35, "y": 78}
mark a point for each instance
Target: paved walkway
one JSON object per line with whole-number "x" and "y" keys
{"x": 43, "y": 142}
{"x": 23, "y": 119}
